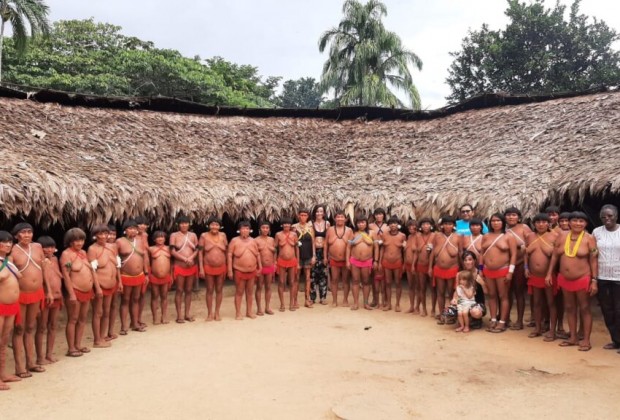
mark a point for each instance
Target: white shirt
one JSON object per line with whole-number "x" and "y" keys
{"x": 608, "y": 243}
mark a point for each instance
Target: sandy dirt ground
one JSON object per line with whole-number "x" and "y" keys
{"x": 321, "y": 363}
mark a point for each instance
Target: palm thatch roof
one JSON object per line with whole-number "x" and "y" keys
{"x": 101, "y": 162}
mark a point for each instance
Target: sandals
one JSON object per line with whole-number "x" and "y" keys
{"x": 534, "y": 334}
{"x": 567, "y": 344}
{"x": 516, "y": 326}
{"x": 497, "y": 329}
{"x": 611, "y": 346}
{"x": 37, "y": 369}
{"x": 24, "y": 375}
{"x": 123, "y": 332}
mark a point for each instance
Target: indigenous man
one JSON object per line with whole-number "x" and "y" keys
{"x": 288, "y": 263}
{"x": 28, "y": 258}
{"x": 110, "y": 335}
{"x": 134, "y": 270}
{"x": 335, "y": 254}
{"x": 518, "y": 286}
{"x": 444, "y": 261}
{"x": 391, "y": 259}
{"x": 378, "y": 229}
{"x": 243, "y": 261}
{"x": 307, "y": 250}
{"x": 184, "y": 249}
{"x": 9, "y": 304}
{"x": 212, "y": 260}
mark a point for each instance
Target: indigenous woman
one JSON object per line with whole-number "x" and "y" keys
{"x": 411, "y": 256}
{"x": 212, "y": 261}
{"x": 473, "y": 242}
{"x": 519, "y": 231}
{"x": 80, "y": 280}
{"x": 104, "y": 262}
{"x": 9, "y": 304}
{"x": 160, "y": 277}
{"x": 319, "y": 270}
{"x": 379, "y": 228}
{"x": 608, "y": 241}
{"x": 307, "y": 252}
{"x": 267, "y": 250}
{"x": 288, "y": 263}
{"x": 424, "y": 247}
{"x": 444, "y": 261}
{"x": 538, "y": 252}
{"x": 391, "y": 260}
{"x": 578, "y": 256}
{"x": 362, "y": 256}
{"x": 499, "y": 253}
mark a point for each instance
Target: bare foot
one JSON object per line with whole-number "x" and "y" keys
{"x": 50, "y": 358}
{"x": 189, "y": 318}
{"x": 368, "y": 307}
{"x": 251, "y": 316}
{"x": 268, "y": 311}
{"x": 416, "y": 311}
{"x": 282, "y": 308}
{"x": 218, "y": 317}
{"x": 260, "y": 313}
{"x": 459, "y": 329}
{"x": 4, "y": 387}
{"x": 397, "y": 308}
{"x": 466, "y": 330}
{"x": 334, "y": 304}
{"x": 102, "y": 345}
{"x": 42, "y": 362}
{"x": 410, "y": 311}
{"x": 209, "y": 317}
{"x": 423, "y": 313}
{"x": 387, "y": 308}
{"x": 433, "y": 314}
{"x": 156, "y": 322}
{"x": 165, "y": 321}
{"x": 292, "y": 308}
{"x": 354, "y": 308}
{"x": 308, "y": 304}
{"x": 10, "y": 378}
{"x": 111, "y": 337}
{"x": 345, "y": 304}
{"x": 239, "y": 317}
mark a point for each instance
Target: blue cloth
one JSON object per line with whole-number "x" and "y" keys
{"x": 462, "y": 228}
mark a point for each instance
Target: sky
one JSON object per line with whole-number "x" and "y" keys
{"x": 280, "y": 37}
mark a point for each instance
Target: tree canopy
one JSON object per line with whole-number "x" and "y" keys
{"x": 96, "y": 58}
{"x": 301, "y": 93}
{"x": 538, "y": 52}
{"x": 27, "y": 18}
{"x": 366, "y": 61}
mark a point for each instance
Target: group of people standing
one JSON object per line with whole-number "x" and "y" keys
{"x": 468, "y": 267}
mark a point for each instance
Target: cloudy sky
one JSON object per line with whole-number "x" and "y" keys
{"x": 280, "y": 36}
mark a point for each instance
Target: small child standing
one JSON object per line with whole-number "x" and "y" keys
{"x": 50, "y": 311}
{"x": 464, "y": 298}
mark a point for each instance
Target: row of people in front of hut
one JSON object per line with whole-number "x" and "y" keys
{"x": 371, "y": 258}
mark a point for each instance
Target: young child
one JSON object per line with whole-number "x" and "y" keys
{"x": 9, "y": 304}
{"x": 161, "y": 276}
{"x": 50, "y": 311}
{"x": 80, "y": 280}
{"x": 464, "y": 298}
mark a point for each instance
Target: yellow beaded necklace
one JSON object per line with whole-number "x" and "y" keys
{"x": 567, "y": 250}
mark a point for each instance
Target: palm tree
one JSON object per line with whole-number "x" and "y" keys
{"x": 365, "y": 59}
{"x": 23, "y": 15}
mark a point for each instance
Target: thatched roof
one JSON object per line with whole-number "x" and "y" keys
{"x": 62, "y": 162}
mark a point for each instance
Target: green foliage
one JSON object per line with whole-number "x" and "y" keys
{"x": 538, "y": 52}
{"x": 301, "y": 93}
{"x": 26, "y": 17}
{"x": 96, "y": 58}
{"x": 366, "y": 60}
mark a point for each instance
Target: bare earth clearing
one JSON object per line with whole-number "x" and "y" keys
{"x": 321, "y": 363}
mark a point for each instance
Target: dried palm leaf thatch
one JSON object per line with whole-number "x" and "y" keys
{"x": 63, "y": 161}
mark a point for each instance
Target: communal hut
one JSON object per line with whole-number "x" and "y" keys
{"x": 75, "y": 159}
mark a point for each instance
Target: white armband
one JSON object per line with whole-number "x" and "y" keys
{"x": 511, "y": 268}
{"x": 118, "y": 262}
{"x": 94, "y": 264}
